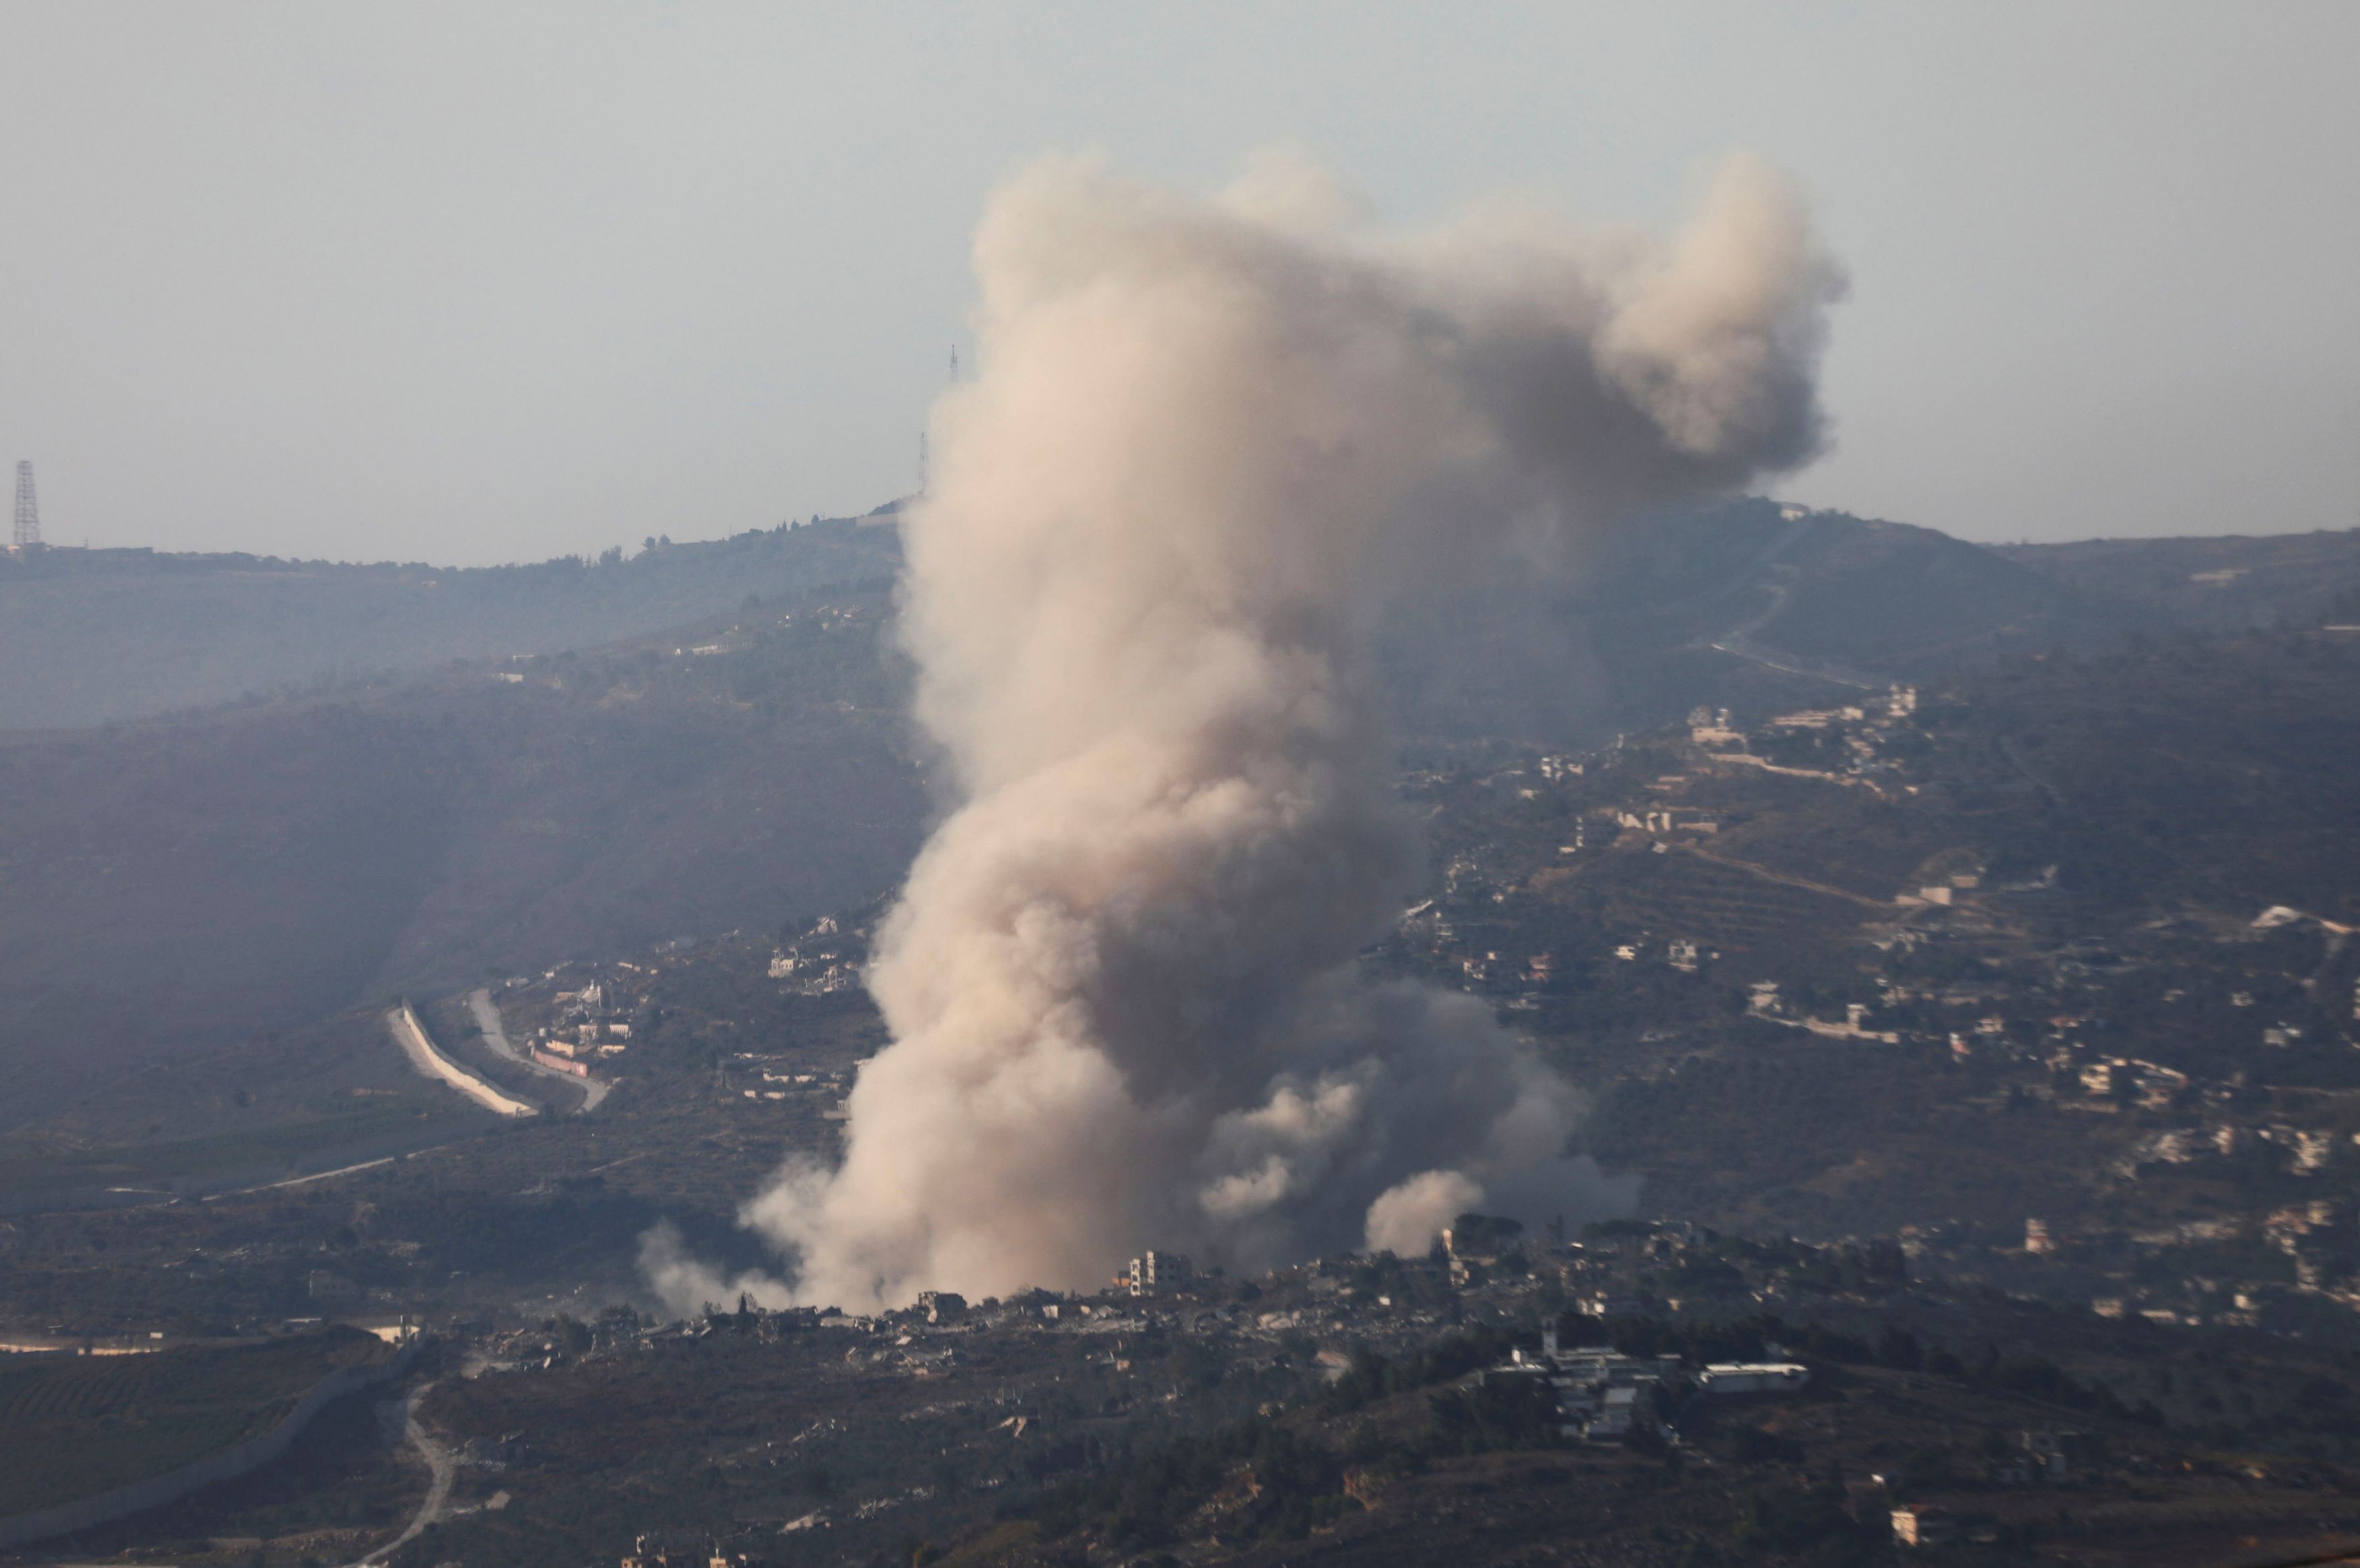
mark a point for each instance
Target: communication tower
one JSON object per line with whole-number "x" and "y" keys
{"x": 28, "y": 511}
{"x": 922, "y": 434}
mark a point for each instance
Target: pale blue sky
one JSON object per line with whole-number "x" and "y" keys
{"x": 470, "y": 282}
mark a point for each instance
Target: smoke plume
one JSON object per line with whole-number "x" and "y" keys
{"x": 1210, "y": 441}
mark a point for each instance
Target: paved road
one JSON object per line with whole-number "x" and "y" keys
{"x": 487, "y": 1018}
{"x": 303, "y": 1181}
{"x": 1788, "y": 878}
{"x": 441, "y": 1467}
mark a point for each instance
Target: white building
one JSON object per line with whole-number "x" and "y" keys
{"x": 1154, "y": 1271}
{"x": 1725, "y": 1378}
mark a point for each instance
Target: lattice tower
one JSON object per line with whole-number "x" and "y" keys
{"x": 28, "y": 509}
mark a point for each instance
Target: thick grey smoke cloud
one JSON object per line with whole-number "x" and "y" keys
{"x": 1211, "y": 441}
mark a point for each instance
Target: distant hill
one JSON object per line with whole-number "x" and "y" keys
{"x": 171, "y": 884}
{"x": 92, "y": 636}
{"x": 2225, "y": 584}
{"x": 1754, "y": 606}
{"x": 1663, "y": 616}
{"x": 1747, "y": 605}
{"x": 168, "y": 886}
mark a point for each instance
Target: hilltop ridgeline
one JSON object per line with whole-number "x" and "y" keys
{"x": 89, "y": 636}
{"x": 1695, "y": 608}
{"x": 173, "y": 884}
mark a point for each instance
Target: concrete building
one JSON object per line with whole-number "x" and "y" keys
{"x": 1723, "y": 1378}
{"x": 1920, "y": 1526}
{"x": 1618, "y": 1416}
{"x": 1602, "y": 1396}
{"x": 1151, "y": 1272}
{"x": 941, "y": 1306}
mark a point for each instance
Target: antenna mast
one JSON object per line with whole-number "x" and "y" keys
{"x": 922, "y": 434}
{"x": 28, "y": 509}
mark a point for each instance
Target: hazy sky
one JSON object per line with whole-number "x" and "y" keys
{"x": 473, "y": 282}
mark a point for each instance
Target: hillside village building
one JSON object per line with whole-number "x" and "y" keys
{"x": 1154, "y": 1271}
{"x": 1604, "y": 1395}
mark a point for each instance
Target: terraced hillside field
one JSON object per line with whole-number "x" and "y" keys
{"x": 76, "y": 1426}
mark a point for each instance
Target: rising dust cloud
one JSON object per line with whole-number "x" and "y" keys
{"x": 1211, "y": 441}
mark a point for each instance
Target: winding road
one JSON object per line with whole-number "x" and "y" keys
{"x": 1738, "y": 641}
{"x": 442, "y": 1468}
{"x": 487, "y": 1018}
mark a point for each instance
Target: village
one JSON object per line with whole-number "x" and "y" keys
{"x": 1558, "y": 1344}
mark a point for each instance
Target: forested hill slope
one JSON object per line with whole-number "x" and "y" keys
{"x": 87, "y": 636}
{"x": 168, "y": 886}
{"x": 1745, "y": 605}
{"x": 2221, "y": 582}
{"x": 1742, "y": 603}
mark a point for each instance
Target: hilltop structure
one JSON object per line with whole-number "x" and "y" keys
{"x": 29, "y": 512}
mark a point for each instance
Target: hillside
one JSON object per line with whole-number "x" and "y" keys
{"x": 1892, "y": 977}
{"x": 2093, "y": 911}
{"x": 1745, "y": 605}
{"x": 63, "y": 1435}
{"x": 167, "y": 886}
{"x": 265, "y": 1109}
{"x": 92, "y": 636}
{"x": 1710, "y": 604}
{"x": 2224, "y": 582}
{"x": 174, "y": 885}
